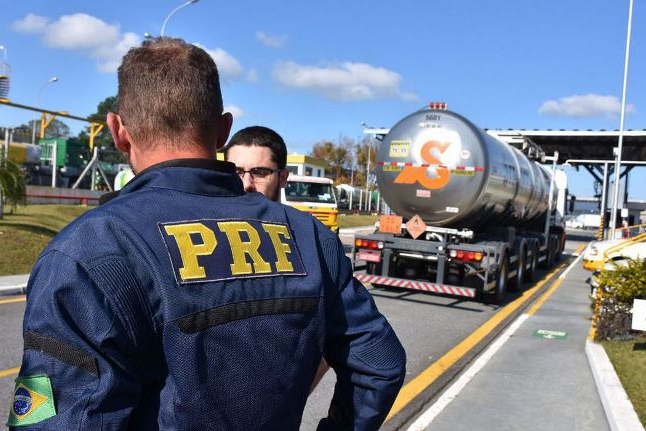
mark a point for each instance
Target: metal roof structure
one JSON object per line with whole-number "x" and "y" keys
{"x": 579, "y": 144}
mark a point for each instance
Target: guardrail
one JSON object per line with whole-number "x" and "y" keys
{"x": 628, "y": 242}
{"x": 83, "y": 200}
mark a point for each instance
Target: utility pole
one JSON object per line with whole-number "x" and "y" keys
{"x": 615, "y": 197}
{"x": 368, "y": 198}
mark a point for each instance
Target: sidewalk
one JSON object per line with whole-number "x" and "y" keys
{"x": 536, "y": 376}
{"x": 13, "y": 284}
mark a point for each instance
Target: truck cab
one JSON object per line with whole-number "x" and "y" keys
{"x": 314, "y": 195}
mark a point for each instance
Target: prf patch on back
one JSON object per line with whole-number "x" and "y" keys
{"x": 212, "y": 250}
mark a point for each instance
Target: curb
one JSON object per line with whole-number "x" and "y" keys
{"x": 13, "y": 290}
{"x": 13, "y": 284}
{"x": 618, "y": 408}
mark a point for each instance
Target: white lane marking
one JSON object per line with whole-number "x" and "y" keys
{"x": 449, "y": 395}
{"x": 452, "y": 392}
{"x": 569, "y": 268}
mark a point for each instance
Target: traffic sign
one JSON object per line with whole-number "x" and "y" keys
{"x": 639, "y": 315}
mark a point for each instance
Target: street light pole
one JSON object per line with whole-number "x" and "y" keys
{"x": 369, "y": 199}
{"x": 615, "y": 197}
{"x": 183, "y": 5}
{"x": 33, "y": 123}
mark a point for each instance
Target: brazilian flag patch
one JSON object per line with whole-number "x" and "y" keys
{"x": 33, "y": 401}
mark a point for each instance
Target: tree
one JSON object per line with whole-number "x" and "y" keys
{"x": 12, "y": 183}
{"x": 103, "y": 139}
{"x": 56, "y": 129}
{"x": 337, "y": 156}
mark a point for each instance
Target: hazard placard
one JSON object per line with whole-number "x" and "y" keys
{"x": 416, "y": 226}
{"x": 390, "y": 224}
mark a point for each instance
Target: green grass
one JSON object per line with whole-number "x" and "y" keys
{"x": 629, "y": 360}
{"x": 25, "y": 233}
{"x": 356, "y": 220}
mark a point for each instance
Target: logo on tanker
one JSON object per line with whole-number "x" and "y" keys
{"x": 437, "y": 150}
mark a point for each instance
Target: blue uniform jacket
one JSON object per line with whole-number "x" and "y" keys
{"x": 186, "y": 304}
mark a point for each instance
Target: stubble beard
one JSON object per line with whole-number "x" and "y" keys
{"x": 275, "y": 194}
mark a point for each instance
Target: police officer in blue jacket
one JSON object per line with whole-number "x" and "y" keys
{"x": 186, "y": 304}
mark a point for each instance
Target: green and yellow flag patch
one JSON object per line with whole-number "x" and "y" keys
{"x": 33, "y": 401}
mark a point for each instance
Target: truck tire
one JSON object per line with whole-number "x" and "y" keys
{"x": 373, "y": 268}
{"x": 530, "y": 273}
{"x": 550, "y": 253}
{"x": 497, "y": 296}
{"x": 554, "y": 249}
{"x": 516, "y": 283}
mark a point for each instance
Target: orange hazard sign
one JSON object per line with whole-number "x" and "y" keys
{"x": 416, "y": 226}
{"x": 390, "y": 224}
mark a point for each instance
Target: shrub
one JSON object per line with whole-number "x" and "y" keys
{"x": 12, "y": 182}
{"x": 619, "y": 287}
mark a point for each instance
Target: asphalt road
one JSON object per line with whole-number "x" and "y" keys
{"x": 428, "y": 326}
{"x": 10, "y": 349}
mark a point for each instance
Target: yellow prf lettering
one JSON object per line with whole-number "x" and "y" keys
{"x": 240, "y": 248}
{"x": 189, "y": 251}
{"x": 274, "y": 230}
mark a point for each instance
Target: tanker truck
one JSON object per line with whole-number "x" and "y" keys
{"x": 473, "y": 215}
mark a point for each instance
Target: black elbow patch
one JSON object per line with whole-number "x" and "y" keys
{"x": 385, "y": 353}
{"x": 62, "y": 351}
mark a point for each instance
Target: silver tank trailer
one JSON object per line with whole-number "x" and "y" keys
{"x": 439, "y": 165}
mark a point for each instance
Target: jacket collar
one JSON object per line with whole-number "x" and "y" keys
{"x": 196, "y": 176}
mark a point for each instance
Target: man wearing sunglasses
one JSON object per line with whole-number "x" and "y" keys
{"x": 260, "y": 156}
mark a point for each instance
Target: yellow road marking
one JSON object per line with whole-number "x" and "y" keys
{"x": 543, "y": 298}
{"x": 13, "y": 300}
{"x": 10, "y": 371}
{"x": 423, "y": 380}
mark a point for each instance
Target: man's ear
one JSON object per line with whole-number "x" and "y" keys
{"x": 120, "y": 135}
{"x": 224, "y": 128}
{"x": 282, "y": 179}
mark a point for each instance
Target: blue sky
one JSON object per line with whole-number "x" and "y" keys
{"x": 316, "y": 70}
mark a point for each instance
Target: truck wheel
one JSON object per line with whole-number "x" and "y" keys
{"x": 516, "y": 283}
{"x": 560, "y": 243}
{"x": 373, "y": 268}
{"x": 499, "y": 292}
{"x": 533, "y": 264}
{"x": 549, "y": 254}
{"x": 554, "y": 251}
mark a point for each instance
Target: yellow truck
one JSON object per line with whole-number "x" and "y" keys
{"x": 314, "y": 195}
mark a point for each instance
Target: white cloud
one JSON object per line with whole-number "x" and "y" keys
{"x": 580, "y": 106}
{"x": 252, "y": 75}
{"x": 345, "y": 82}
{"x": 110, "y": 57}
{"x": 271, "y": 40}
{"x": 80, "y": 31}
{"x": 84, "y": 33}
{"x": 228, "y": 66}
{"x": 236, "y": 111}
{"x": 30, "y": 24}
